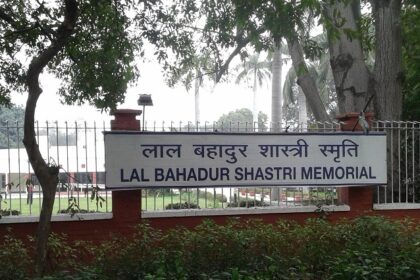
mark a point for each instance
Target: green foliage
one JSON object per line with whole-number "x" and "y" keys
{"x": 253, "y": 250}
{"x": 121, "y": 258}
{"x": 220, "y": 197}
{"x": 254, "y": 70}
{"x": 367, "y": 247}
{"x": 96, "y": 197}
{"x": 61, "y": 255}
{"x": 14, "y": 258}
{"x": 248, "y": 203}
{"x": 11, "y": 132}
{"x": 8, "y": 212}
{"x": 374, "y": 252}
{"x": 73, "y": 207}
{"x": 97, "y": 62}
{"x": 193, "y": 199}
{"x": 221, "y": 30}
{"x": 182, "y": 205}
{"x": 204, "y": 195}
{"x": 240, "y": 120}
{"x": 169, "y": 27}
{"x": 241, "y": 116}
{"x": 58, "y": 137}
{"x": 200, "y": 67}
{"x": 64, "y": 258}
{"x": 320, "y": 70}
{"x": 411, "y": 60}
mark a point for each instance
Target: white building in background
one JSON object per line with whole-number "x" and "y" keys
{"x": 82, "y": 162}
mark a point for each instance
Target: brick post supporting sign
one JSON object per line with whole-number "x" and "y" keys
{"x": 126, "y": 204}
{"x": 360, "y": 199}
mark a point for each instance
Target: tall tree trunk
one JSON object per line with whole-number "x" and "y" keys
{"x": 305, "y": 81}
{"x": 388, "y": 59}
{"x": 276, "y": 89}
{"x": 276, "y": 98}
{"x": 303, "y": 112}
{"x": 388, "y": 78}
{"x": 254, "y": 103}
{"x": 197, "y": 97}
{"x": 47, "y": 174}
{"x": 351, "y": 75}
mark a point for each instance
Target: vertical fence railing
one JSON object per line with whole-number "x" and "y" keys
{"x": 403, "y": 157}
{"x": 78, "y": 149}
{"x": 210, "y": 197}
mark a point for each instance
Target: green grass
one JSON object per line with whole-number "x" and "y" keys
{"x": 60, "y": 203}
{"x": 150, "y": 203}
{"x": 160, "y": 202}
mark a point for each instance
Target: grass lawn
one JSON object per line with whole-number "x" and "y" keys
{"x": 34, "y": 209}
{"x": 150, "y": 203}
{"x": 160, "y": 202}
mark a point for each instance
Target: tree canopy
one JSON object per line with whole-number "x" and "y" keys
{"x": 87, "y": 45}
{"x": 231, "y": 28}
{"x": 411, "y": 56}
{"x": 241, "y": 120}
{"x": 95, "y": 63}
{"x": 11, "y": 126}
{"x": 91, "y": 46}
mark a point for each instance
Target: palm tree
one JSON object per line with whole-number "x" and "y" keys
{"x": 276, "y": 90}
{"x": 258, "y": 71}
{"x": 277, "y": 60}
{"x": 321, "y": 72}
{"x": 204, "y": 67}
{"x": 201, "y": 66}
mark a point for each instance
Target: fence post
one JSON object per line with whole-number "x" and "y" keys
{"x": 126, "y": 204}
{"x": 360, "y": 199}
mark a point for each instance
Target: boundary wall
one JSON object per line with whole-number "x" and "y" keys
{"x": 127, "y": 213}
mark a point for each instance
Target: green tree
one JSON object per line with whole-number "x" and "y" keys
{"x": 320, "y": 70}
{"x": 230, "y": 27}
{"x": 241, "y": 120}
{"x": 294, "y": 100}
{"x": 258, "y": 71}
{"x": 202, "y": 67}
{"x": 276, "y": 58}
{"x": 83, "y": 43}
{"x": 11, "y": 120}
{"x": 411, "y": 59}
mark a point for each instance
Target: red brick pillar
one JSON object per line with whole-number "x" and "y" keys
{"x": 126, "y": 204}
{"x": 360, "y": 199}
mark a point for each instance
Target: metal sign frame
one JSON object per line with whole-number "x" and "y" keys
{"x": 135, "y": 160}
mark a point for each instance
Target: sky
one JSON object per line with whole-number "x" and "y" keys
{"x": 170, "y": 104}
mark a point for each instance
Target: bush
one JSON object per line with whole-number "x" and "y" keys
{"x": 183, "y": 205}
{"x": 211, "y": 196}
{"x": 248, "y": 203}
{"x": 122, "y": 258}
{"x": 14, "y": 258}
{"x": 363, "y": 248}
{"x": 5, "y": 212}
{"x": 368, "y": 247}
{"x": 220, "y": 197}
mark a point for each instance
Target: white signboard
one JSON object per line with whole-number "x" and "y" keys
{"x": 175, "y": 160}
